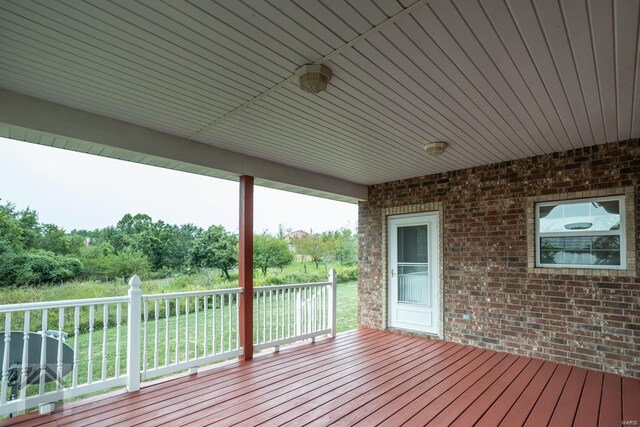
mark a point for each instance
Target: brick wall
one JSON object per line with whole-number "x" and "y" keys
{"x": 585, "y": 319}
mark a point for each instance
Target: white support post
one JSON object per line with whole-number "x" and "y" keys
{"x": 133, "y": 334}
{"x": 331, "y": 309}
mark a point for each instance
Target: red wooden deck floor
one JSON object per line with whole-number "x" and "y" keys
{"x": 368, "y": 378}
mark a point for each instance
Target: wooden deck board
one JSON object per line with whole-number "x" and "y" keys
{"x": 565, "y": 409}
{"x": 589, "y": 407}
{"x": 468, "y": 415}
{"x": 367, "y": 377}
{"x": 520, "y": 410}
{"x": 503, "y": 404}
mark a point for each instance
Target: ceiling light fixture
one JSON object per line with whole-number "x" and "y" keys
{"x": 435, "y": 148}
{"x": 313, "y": 78}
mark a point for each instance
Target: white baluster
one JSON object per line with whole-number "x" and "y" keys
{"x": 277, "y": 315}
{"x": 282, "y": 320}
{"x": 322, "y": 308}
{"x": 319, "y": 309}
{"x": 118, "y": 332}
{"x": 25, "y": 355}
{"x": 205, "y": 330}
{"x": 43, "y": 354}
{"x": 264, "y": 316}
{"x": 144, "y": 335}
{"x": 288, "y": 313}
{"x": 155, "y": 334}
{"x": 237, "y": 321}
{"x": 214, "y": 301}
{"x": 270, "y": 315}
{"x": 195, "y": 327}
{"x": 177, "y": 330}
{"x": 76, "y": 332}
{"x": 105, "y": 327}
{"x": 298, "y": 315}
{"x": 308, "y": 307}
{"x": 5, "y": 359}
{"x": 230, "y": 321}
{"x": 186, "y": 328}
{"x": 166, "y": 332}
{"x": 221, "y": 323}
{"x": 60, "y": 348}
{"x": 314, "y": 301}
{"x": 256, "y": 317}
{"x": 90, "y": 350}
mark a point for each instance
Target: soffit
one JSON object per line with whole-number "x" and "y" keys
{"x": 497, "y": 80}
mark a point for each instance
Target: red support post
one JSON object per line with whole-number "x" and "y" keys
{"x": 245, "y": 266}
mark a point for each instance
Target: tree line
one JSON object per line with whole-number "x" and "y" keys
{"x": 33, "y": 253}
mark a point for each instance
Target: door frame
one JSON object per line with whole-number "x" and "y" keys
{"x": 424, "y": 210}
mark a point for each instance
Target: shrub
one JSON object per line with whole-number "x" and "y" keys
{"x": 38, "y": 267}
{"x": 346, "y": 273}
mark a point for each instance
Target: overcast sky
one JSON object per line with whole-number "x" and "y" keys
{"x": 81, "y": 191}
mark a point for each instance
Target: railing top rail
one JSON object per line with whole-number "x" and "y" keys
{"x": 294, "y": 286}
{"x": 152, "y": 297}
{"x": 61, "y": 304}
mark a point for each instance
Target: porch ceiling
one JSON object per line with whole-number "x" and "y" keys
{"x": 497, "y": 80}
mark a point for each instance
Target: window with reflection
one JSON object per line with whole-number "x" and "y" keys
{"x": 584, "y": 233}
{"x": 413, "y": 265}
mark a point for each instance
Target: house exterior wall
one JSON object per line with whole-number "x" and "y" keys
{"x": 577, "y": 317}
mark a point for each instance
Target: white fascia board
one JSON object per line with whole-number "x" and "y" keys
{"x": 89, "y": 130}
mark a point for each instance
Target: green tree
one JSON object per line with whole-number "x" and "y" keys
{"x": 215, "y": 248}
{"x": 10, "y": 229}
{"x": 314, "y": 246}
{"x": 54, "y": 239}
{"x": 96, "y": 259}
{"x": 28, "y": 222}
{"x": 182, "y": 239}
{"x": 126, "y": 263}
{"x": 270, "y": 252}
{"x": 344, "y": 245}
{"x": 7, "y": 264}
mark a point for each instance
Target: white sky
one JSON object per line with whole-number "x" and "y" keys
{"x": 81, "y": 191}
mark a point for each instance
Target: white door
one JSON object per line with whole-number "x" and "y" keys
{"x": 414, "y": 300}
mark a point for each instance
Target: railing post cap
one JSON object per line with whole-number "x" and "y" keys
{"x": 332, "y": 272}
{"x": 135, "y": 282}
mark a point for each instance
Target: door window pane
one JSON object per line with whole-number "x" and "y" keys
{"x": 412, "y": 244}
{"x": 413, "y": 284}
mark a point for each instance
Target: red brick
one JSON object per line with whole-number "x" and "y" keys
{"x": 485, "y": 260}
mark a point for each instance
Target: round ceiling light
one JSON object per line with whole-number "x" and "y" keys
{"x": 313, "y": 78}
{"x": 435, "y": 148}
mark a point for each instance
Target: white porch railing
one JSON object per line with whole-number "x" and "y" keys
{"x": 287, "y": 313}
{"x": 34, "y": 379}
{"x": 121, "y": 341}
{"x": 208, "y": 320}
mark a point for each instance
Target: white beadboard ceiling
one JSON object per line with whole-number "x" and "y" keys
{"x": 498, "y": 80}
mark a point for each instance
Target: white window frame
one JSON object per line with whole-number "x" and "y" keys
{"x": 621, "y": 233}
